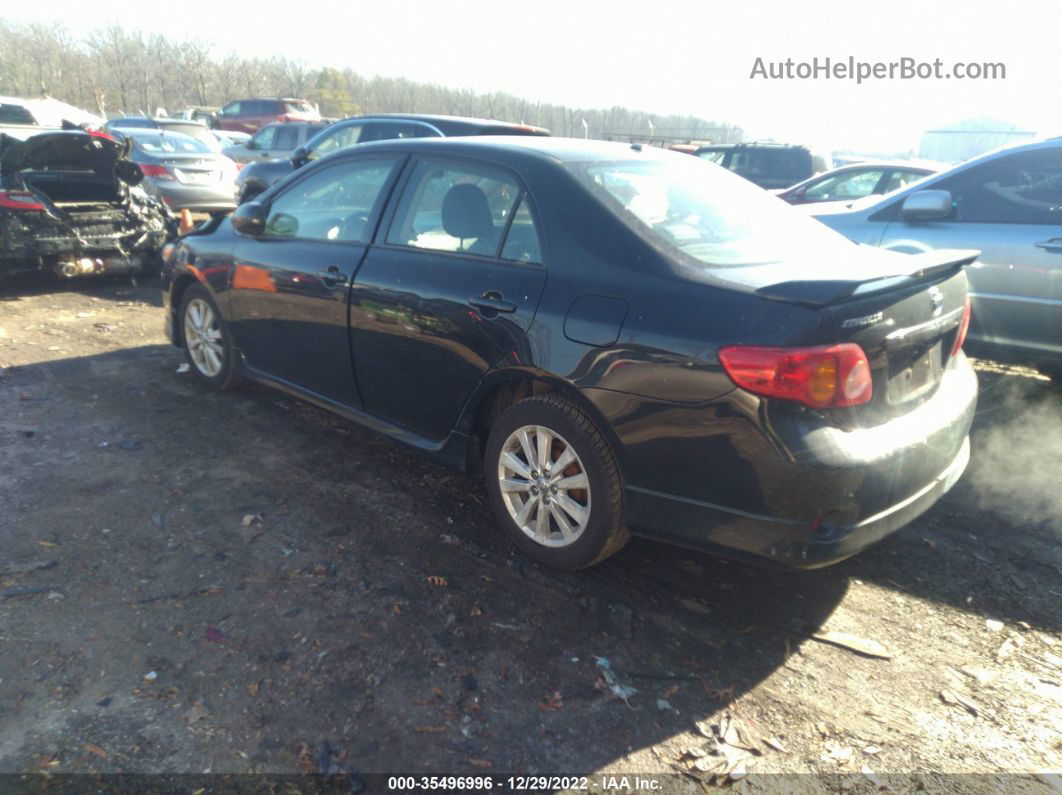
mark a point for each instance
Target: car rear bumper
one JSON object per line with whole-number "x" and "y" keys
{"x": 829, "y": 493}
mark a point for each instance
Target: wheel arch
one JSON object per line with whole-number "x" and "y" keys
{"x": 180, "y": 284}
{"x": 501, "y": 389}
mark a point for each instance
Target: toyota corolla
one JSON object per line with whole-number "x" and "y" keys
{"x": 619, "y": 340}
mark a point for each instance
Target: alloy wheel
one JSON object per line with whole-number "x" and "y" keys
{"x": 202, "y": 336}
{"x": 544, "y": 486}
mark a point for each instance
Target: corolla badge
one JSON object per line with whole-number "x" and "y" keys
{"x": 936, "y": 300}
{"x": 860, "y": 322}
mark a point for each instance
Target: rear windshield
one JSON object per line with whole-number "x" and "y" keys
{"x": 169, "y": 144}
{"x": 197, "y": 131}
{"x": 703, "y": 213}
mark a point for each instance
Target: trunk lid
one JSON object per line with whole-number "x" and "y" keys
{"x": 904, "y": 311}
{"x": 194, "y": 169}
{"x": 69, "y": 151}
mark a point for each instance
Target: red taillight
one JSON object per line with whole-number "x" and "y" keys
{"x": 964, "y": 326}
{"x": 156, "y": 171}
{"x": 823, "y": 376}
{"x": 20, "y": 200}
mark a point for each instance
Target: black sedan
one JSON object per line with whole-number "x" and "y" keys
{"x": 620, "y": 340}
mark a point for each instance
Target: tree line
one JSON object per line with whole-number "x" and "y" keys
{"x": 114, "y": 71}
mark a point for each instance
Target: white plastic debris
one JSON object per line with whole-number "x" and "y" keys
{"x": 183, "y": 368}
{"x": 150, "y": 676}
{"x": 615, "y": 685}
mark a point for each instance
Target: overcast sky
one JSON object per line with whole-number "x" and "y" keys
{"x": 684, "y": 57}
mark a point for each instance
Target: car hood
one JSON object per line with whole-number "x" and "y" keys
{"x": 70, "y": 151}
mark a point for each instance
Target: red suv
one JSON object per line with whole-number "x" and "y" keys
{"x": 247, "y": 115}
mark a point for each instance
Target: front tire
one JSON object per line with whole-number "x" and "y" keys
{"x": 207, "y": 343}
{"x": 554, "y": 483}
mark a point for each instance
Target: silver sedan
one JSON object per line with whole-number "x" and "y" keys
{"x": 1007, "y": 204}
{"x": 182, "y": 171}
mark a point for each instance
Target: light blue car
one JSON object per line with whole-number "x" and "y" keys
{"x": 1006, "y": 203}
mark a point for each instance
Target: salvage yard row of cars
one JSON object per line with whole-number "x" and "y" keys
{"x": 618, "y": 339}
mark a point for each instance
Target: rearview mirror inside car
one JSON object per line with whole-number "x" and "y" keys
{"x": 927, "y": 205}
{"x": 249, "y": 219}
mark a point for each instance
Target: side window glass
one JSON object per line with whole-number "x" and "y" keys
{"x": 521, "y": 242}
{"x": 232, "y": 109}
{"x": 845, "y": 186}
{"x": 338, "y": 139}
{"x": 713, "y": 156}
{"x": 287, "y": 137}
{"x": 334, "y": 204}
{"x": 263, "y": 139}
{"x": 460, "y": 208}
{"x": 1023, "y": 188}
{"x": 901, "y": 179}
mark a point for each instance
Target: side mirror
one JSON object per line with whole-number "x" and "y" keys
{"x": 250, "y": 219}
{"x": 300, "y": 157}
{"x": 927, "y": 205}
{"x": 251, "y": 143}
{"x": 251, "y": 190}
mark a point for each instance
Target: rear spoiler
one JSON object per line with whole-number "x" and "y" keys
{"x": 924, "y": 266}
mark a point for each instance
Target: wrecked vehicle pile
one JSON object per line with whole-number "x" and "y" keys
{"x": 69, "y": 203}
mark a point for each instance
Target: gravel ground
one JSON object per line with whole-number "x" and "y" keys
{"x": 242, "y": 583}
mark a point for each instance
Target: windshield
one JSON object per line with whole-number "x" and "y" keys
{"x": 168, "y": 143}
{"x": 704, "y": 213}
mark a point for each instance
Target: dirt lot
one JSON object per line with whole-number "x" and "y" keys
{"x": 193, "y": 582}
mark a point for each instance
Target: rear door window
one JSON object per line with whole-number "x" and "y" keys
{"x": 339, "y": 137}
{"x": 455, "y": 207}
{"x": 335, "y": 203}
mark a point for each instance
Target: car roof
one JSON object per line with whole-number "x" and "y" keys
{"x": 514, "y": 148}
{"x": 438, "y": 118}
{"x": 162, "y": 122}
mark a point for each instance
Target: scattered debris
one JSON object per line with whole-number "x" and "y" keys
{"x": 92, "y": 748}
{"x": 11, "y": 593}
{"x": 864, "y": 646}
{"x": 835, "y": 752}
{"x": 954, "y": 699}
{"x": 437, "y": 581}
{"x": 183, "y": 368}
{"x": 150, "y": 676}
{"x": 196, "y": 712}
{"x": 27, "y": 567}
{"x": 251, "y": 518}
{"x": 776, "y": 744}
{"x": 481, "y": 762}
{"x": 215, "y": 635}
{"x": 993, "y": 625}
{"x": 664, "y": 705}
{"x": 613, "y": 682}
{"x": 553, "y": 703}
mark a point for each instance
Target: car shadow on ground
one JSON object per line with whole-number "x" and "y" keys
{"x": 311, "y": 585}
{"x": 109, "y": 288}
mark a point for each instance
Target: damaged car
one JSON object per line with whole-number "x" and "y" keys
{"x": 70, "y": 204}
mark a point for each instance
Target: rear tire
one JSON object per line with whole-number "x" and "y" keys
{"x": 555, "y": 484}
{"x": 207, "y": 343}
